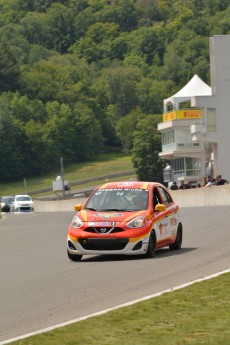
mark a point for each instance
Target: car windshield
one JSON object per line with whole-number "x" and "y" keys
{"x": 7, "y": 198}
{"x": 23, "y": 198}
{"x": 123, "y": 199}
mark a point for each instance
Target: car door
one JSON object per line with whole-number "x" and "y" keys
{"x": 171, "y": 215}
{"x": 161, "y": 220}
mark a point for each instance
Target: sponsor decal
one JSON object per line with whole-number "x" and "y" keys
{"x": 182, "y": 114}
{"x": 125, "y": 184}
{"x": 160, "y": 228}
{"x": 163, "y": 227}
{"x": 173, "y": 221}
{"x": 102, "y": 223}
{"x": 92, "y": 223}
{"x": 108, "y": 215}
{"x": 105, "y": 224}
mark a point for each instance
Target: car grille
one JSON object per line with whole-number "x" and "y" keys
{"x": 103, "y": 230}
{"x": 103, "y": 243}
{"x": 25, "y": 208}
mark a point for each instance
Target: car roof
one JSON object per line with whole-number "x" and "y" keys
{"x": 129, "y": 184}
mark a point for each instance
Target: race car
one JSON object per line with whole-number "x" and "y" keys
{"x": 125, "y": 218}
{"x": 6, "y": 202}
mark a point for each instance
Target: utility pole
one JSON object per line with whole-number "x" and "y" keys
{"x": 25, "y": 185}
{"x": 62, "y": 179}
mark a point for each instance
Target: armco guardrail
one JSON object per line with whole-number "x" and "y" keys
{"x": 204, "y": 196}
{"x": 84, "y": 181}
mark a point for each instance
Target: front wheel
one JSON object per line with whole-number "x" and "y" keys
{"x": 178, "y": 243}
{"x": 151, "y": 245}
{"x": 74, "y": 257}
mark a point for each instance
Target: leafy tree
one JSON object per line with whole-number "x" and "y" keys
{"x": 150, "y": 94}
{"x": 146, "y": 146}
{"x": 126, "y": 127}
{"x": 88, "y": 139}
{"x": 11, "y": 158}
{"x": 96, "y": 43}
{"x": 183, "y": 59}
{"x": 24, "y": 109}
{"x": 39, "y": 150}
{"x": 83, "y": 19}
{"x": 60, "y": 23}
{"x": 9, "y": 69}
{"x": 121, "y": 88}
{"x": 62, "y": 78}
{"x": 149, "y": 43}
{"x": 34, "y": 28}
{"x": 107, "y": 127}
{"x": 60, "y": 129}
{"x": 38, "y": 5}
{"x": 126, "y": 14}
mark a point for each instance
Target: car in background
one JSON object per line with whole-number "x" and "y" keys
{"x": 130, "y": 218}
{"x": 6, "y": 202}
{"x": 22, "y": 203}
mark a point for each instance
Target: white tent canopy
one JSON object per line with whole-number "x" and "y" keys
{"x": 195, "y": 87}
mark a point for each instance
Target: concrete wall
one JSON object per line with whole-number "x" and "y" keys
{"x": 57, "y": 205}
{"x": 205, "y": 196}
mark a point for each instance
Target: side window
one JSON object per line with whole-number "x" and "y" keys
{"x": 165, "y": 196}
{"x": 156, "y": 197}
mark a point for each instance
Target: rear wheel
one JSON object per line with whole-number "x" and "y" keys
{"x": 179, "y": 236}
{"x": 151, "y": 245}
{"x": 74, "y": 257}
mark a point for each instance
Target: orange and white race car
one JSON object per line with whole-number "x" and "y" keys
{"x": 125, "y": 218}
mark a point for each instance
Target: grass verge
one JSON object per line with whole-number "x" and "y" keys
{"x": 198, "y": 314}
{"x": 103, "y": 165}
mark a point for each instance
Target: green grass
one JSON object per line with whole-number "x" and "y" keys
{"x": 198, "y": 314}
{"x": 102, "y": 166}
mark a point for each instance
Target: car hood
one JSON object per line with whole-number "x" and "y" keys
{"x": 109, "y": 216}
{"x": 28, "y": 202}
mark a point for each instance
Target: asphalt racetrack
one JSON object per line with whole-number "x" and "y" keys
{"x": 40, "y": 287}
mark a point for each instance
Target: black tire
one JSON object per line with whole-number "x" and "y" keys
{"x": 74, "y": 257}
{"x": 179, "y": 236}
{"x": 151, "y": 246}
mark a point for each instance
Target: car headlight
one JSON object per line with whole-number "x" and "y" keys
{"x": 137, "y": 222}
{"x": 76, "y": 222}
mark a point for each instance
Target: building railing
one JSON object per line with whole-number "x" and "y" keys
{"x": 188, "y": 172}
{"x": 171, "y": 175}
{"x": 180, "y": 146}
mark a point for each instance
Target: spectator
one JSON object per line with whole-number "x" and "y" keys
{"x": 220, "y": 181}
{"x": 204, "y": 181}
{"x": 209, "y": 182}
{"x": 189, "y": 185}
{"x": 167, "y": 167}
{"x": 183, "y": 185}
{"x": 174, "y": 186}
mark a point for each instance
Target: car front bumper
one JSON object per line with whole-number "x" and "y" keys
{"x": 108, "y": 246}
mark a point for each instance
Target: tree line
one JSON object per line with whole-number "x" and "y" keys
{"x": 82, "y": 77}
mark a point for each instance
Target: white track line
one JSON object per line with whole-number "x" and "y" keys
{"x": 48, "y": 329}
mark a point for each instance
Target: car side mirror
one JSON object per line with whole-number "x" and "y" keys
{"x": 78, "y": 207}
{"x": 160, "y": 208}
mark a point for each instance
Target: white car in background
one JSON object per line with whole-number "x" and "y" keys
{"x": 22, "y": 203}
